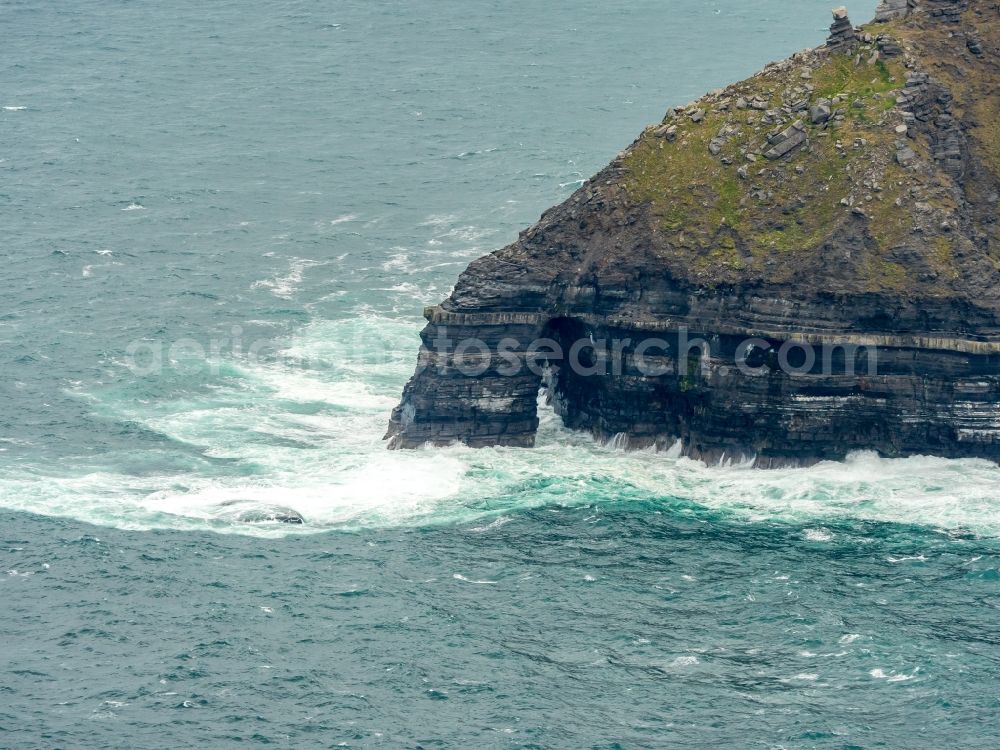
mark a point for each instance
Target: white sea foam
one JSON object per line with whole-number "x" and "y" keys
{"x": 496, "y": 523}
{"x": 310, "y": 427}
{"x": 460, "y": 577}
{"x": 304, "y": 387}
{"x": 15, "y": 108}
{"x": 285, "y": 285}
{"x": 684, "y": 661}
{"x": 818, "y": 535}
{"x": 467, "y": 234}
{"x": 945, "y": 493}
{"x": 880, "y": 674}
{"x": 477, "y": 152}
{"x": 134, "y": 207}
{"x": 413, "y": 291}
{"x": 439, "y": 220}
{"x": 398, "y": 261}
{"x": 906, "y": 558}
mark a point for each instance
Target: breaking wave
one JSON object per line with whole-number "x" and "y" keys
{"x": 302, "y": 434}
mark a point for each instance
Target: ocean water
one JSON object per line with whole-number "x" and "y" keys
{"x": 220, "y": 224}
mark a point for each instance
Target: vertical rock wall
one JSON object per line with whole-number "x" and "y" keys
{"x": 888, "y": 141}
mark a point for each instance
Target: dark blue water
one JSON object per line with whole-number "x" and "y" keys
{"x": 640, "y": 625}
{"x": 220, "y": 224}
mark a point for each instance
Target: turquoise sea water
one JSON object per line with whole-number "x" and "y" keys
{"x": 190, "y": 180}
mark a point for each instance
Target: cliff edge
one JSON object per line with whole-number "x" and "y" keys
{"x": 802, "y": 264}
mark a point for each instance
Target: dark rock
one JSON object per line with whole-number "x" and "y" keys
{"x": 906, "y": 156}
{"x": 786, "y": 141}
{"x": 887, "y": 46}
{"x": 948, "y": 143}
{"x": 842, "y": 36}
{"x": 890, "y": 9}
{"x": 612, "y": 264}
{"x": 724, "y": 134}
{"x": 820, "y": 112}
{"x": 245, "y": 511}
{"x": 666, "y": 131}
{"x": 275, "y": 516}
{"x": 945, "y": 11}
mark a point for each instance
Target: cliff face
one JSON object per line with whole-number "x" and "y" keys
{"x": 846, "y": 197}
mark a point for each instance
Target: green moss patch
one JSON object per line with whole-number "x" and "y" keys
{"x": 782, "y": 207}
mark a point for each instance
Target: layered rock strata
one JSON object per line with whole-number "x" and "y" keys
{"x": 842, "y": 34}
{"x": 890, "y": 9}
{"x": 800, "y": 265}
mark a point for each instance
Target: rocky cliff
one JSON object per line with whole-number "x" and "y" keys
{"x": 826, "y": 230}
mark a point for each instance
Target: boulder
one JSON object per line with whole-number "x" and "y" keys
{"x": 906, "y": 156}
{"x": 246, "y": 511}
{"x": 820, "y": 112}
{"x": 786, "y": 141}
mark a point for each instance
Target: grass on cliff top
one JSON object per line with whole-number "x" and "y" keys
{"x": 722, "y": 228}
{"x": 840, "y": 75}
{"x": 977, "y": 84}
{"x": 974, "y": 82}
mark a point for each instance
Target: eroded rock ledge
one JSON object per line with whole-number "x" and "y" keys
{"x": 844, "y": 199}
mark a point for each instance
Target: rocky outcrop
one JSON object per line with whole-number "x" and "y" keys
{"x": 800, "y": 265}
{"x": 842, "y": 35}
{"x": 786, "y": 141}
{"x": 946, "y": 11}
{"x": 887, "y": 10}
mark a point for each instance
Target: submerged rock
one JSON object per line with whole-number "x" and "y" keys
{"x": 245, "y": 511}
{"x": 841, "y": 294}
{"x": 272, "y": 515}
